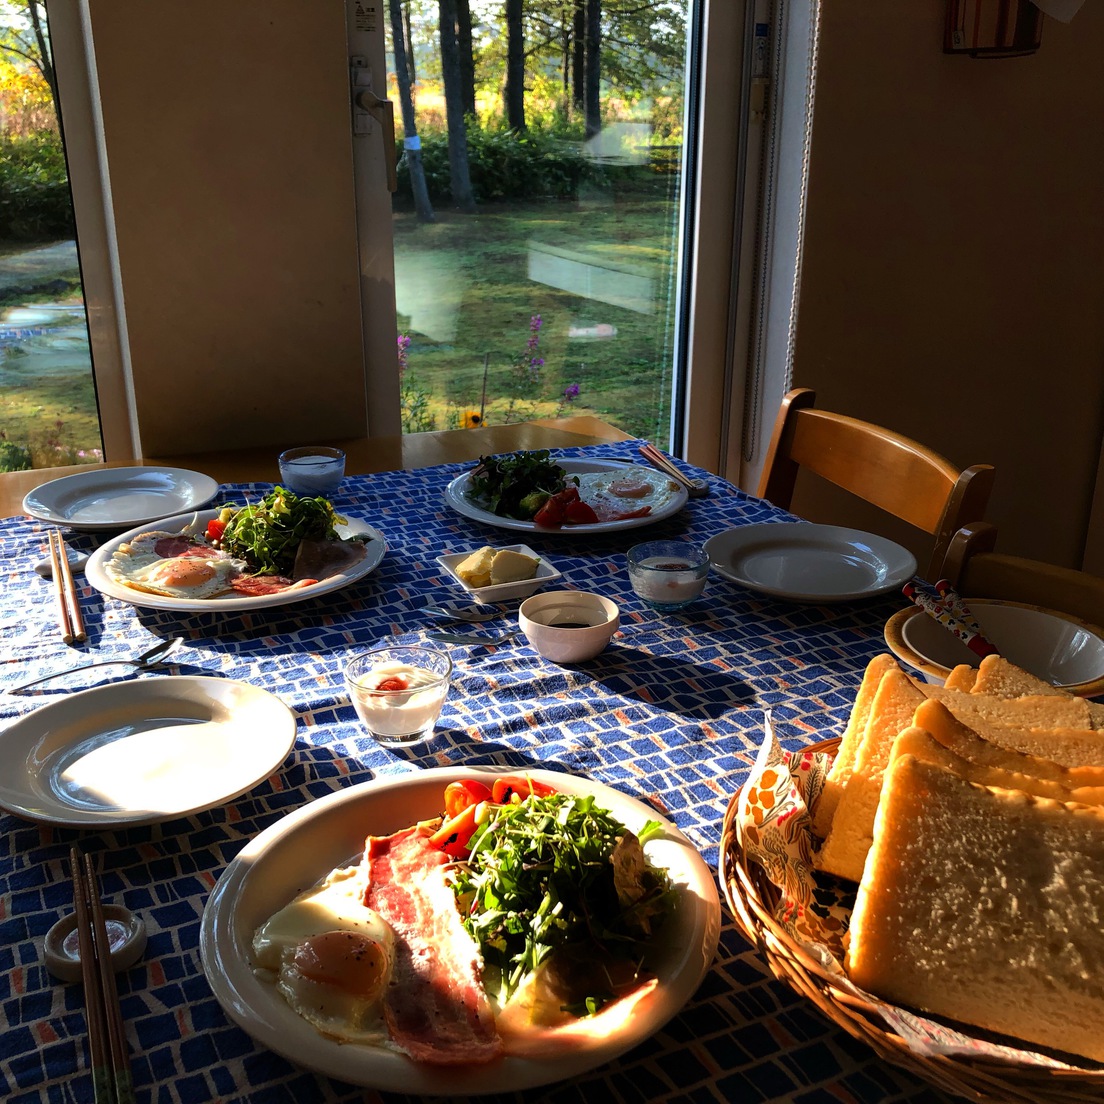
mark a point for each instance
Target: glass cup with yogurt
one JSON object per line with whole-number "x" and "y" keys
{"x": 312, "y": 471}
{"x": 668, "y": 574}
{"x": 398, "y": 691}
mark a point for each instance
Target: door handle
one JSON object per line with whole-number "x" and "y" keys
{"x": 384, "y": 112}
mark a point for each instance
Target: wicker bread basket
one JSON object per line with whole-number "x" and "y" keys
{"x": 752, "y": 896}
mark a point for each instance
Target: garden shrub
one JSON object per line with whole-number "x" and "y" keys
{"x": 35, "y": 203}
{"x": 14, "y": 457}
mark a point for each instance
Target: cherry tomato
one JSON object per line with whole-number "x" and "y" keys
{"x": 459, "y": 795}
{"x": 215, "y": 529}
{"x": 514, "y": 789}
{"x": 393, "y": 682}
{"x": 453, "y": 835}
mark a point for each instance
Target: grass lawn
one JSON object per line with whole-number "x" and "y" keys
{"x": 468, "y": 286}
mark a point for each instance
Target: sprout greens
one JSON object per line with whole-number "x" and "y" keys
{"x": 267, "y": 534}
{"x": 558, "y": 874}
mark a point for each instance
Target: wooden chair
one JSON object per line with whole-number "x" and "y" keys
{"x": 890, "y": 471}
{"x": 975, "y": 570}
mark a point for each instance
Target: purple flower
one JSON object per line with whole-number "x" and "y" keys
{"x": 571, "y": 392}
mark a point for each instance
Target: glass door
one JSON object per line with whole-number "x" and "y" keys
{"x": 48, "y": 415}
{"x": 543, "y": 203}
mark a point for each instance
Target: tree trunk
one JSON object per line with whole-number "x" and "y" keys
{"x": 515, "y": 66}
{"x": 45, "y": 63}
{"x": 578, "y": 58}
{"x": 412, "y": 146}
{"x": 593, "y": 67}
{"x": 408, "y": 42}
{"x": 459, "y": 174}
{"x": 467, "y": 59}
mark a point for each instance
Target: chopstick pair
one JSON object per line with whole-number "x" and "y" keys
{"x": 943, "y": 603}
{"x": 70, "y": 620}
{"x": 111, "y": 1075}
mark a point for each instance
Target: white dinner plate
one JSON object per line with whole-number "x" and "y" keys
{"x": 142, "y": 751}
{"x": 118, "y": 498}
{"x": 226, "y": 603}
{"x": 457, "y": 495}
{"x": 810, "y": 563}
{"x": 301, "y": 849}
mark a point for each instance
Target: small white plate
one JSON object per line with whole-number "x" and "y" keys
{"x": 302, "y": 848}
{"x": 457, "y": 495}
{"x": 118, "y": 498}
{"x": 502, "y": 592}
{"x": 95, "y": 573}
{"x": 139, "y": 752}
{"x": 810, "y": 563}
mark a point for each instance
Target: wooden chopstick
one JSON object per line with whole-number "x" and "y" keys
{"x": 649, "y": 451}
{"x": 111, "y": 1074}
{"x": 70, "y": 619}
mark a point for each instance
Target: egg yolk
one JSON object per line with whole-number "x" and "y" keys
{"x": 345, "y": 960}
{"x": 628, "y": 488}
{"x": 185, "y": 572}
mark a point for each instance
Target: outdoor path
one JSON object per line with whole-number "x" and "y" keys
{"x": 38, "y": 266}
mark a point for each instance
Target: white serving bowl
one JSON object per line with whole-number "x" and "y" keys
{"x": 569, "y": 626}
{"x": 503, "y": 592}
{"x": 1057, "y": 647}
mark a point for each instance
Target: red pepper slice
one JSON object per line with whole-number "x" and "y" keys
{"x": 459, "y": 795}
{"x": 514, "y": 789}
{"x": 580, "y": 513}
{"x": 453, "y": 836}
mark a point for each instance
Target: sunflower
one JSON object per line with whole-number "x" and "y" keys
{"x": 471, "y": 419}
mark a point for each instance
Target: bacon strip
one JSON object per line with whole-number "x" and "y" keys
{"x": 435, "y": 1007}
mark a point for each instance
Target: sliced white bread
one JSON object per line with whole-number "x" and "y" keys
{"x": 961, "y": 677}
{"x": 853, "y": 735}
{"x": 1029, "y": 711}
{"x": 985, "y": 905}
{"x": 1087, "y": 783}
{"x": 852, "y": 829}
{"x": 1001, "y": 679}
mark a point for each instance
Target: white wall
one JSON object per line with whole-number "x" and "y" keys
{"x": 953, "y": 267}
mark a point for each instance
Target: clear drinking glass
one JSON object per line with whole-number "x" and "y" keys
{"x": 398, "y": 691}
{"x": 313, "y": 470}
{"x": 668, "y": 574}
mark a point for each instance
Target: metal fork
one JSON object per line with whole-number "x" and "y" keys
{"x": 473, "y": 638}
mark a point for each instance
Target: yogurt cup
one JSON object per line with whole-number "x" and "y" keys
{"x": 398, "y": 692}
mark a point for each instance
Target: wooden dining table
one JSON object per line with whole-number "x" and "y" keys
{"x": 672, "y": 715}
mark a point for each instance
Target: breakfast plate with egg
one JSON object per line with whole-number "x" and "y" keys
{"x": 147, "y": 567}
{"x": 624, "y": 496}
{"x": 297, "y": 881}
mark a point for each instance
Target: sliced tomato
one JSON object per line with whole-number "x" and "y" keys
{"x": 215, "y": 529}
{"x": 550, "y": 515}
{"x": 455, "y": 833}
{"x": 514, "y": 789}
{"x": 468, "y": 791}
{"x": 580, "y": 513}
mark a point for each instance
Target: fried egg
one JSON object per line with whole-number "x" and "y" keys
{"x": 626, "y": 492}
{"x": 331, "y": 958}
{"x": 175, "y": 565}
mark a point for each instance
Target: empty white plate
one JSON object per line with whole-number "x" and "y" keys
{"x": 810, "y": 563}
{"x": 118, "y": 498}
{"x": 142, "y": 751}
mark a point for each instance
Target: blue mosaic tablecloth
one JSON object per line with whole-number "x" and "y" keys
{"x": 671, "y": 712}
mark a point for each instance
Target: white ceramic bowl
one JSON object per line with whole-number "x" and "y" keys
{"x": 1057, "y": 647}
{"x": 503, "y": 592}
{"x": 569, "y": 626}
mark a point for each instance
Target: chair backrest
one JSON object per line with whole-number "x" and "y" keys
{"x": 975, "y": 570}
{"x": 888, "y": 470}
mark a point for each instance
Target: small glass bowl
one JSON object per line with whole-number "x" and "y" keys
{"x": 668, "y": 574}
{"x": 398, "y": 692}
{"x": 312, "y": 471}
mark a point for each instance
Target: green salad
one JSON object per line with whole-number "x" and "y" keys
{"x": 558, "y": 878}
{"x": 267, "y": 534}
{"x": 517, "y": 484}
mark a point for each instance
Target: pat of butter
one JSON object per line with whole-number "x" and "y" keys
{"x": 475, "y": 571}
{"x": 512, "y": 567}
